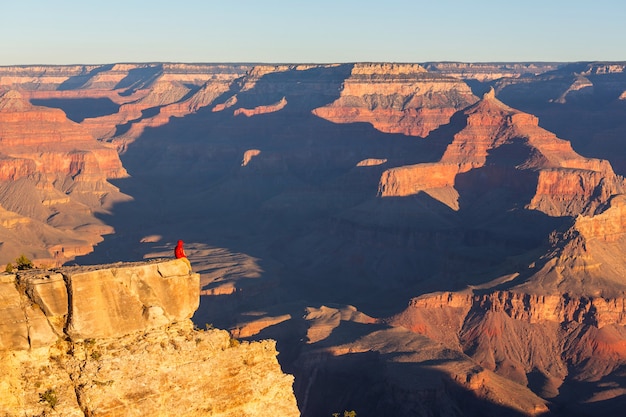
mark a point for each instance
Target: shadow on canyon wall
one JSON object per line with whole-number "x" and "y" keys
{"x": 569, "y": 403}
{"x": 187, "y": 180}
{"x": 77, "y": 81}
{"x": 590, "y": 116}
{"x": 79, "y": 109}
{"x": 312, "y": 222}
{"x": 363, "y": 382}
{"x": 141, "y": 77}
{"x": 303, "y": 208}
{"x": 374, "y": 383}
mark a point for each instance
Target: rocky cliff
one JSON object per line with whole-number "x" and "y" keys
{"x": 397, "y": 98}
{"x": 543, "y": 342}
{"x": 485, "y": 71}
{"x": 560, "y": 320}
{"x": 511, "y": 149}
{"x": 116, "y": 340}
{"x": 54, "y": 176}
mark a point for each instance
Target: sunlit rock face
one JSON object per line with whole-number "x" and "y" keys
{"x": 54, "y": 177}
{"x": 398, "y": 98}
{"x": 493, "y": 136}
{"x": 116, "y": 340}
{"x": 96, "y": 302}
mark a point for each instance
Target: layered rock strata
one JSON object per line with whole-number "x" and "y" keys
{"x": 116, "y": 340}
{"x": 490, "y": 71}
{"x": 397, "y": 98}
{"x": 566, "y": 184}
{"x": 560, "y": 321}
{"x": 523, "y": 336}
{"x": 54, "y": 175}
{"x": 397, "y": 371}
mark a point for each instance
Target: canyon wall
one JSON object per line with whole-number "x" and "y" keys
{"x": 397, "y": 98}
{"x": 493, "y": 136}
{"x": 562, "y": 318}
{"x": 54, "y": 177}
{"x": 485, "y": 71}
{"x": 116, "y": 340}
{"x": 528, "y": 338}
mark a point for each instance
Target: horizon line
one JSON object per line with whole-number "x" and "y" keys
{"x": 317, "y": 63}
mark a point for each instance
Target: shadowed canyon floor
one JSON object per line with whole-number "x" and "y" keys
{"x": 414, "y": 238}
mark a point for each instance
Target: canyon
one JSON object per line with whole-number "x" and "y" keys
{"x": 417, "y": 239}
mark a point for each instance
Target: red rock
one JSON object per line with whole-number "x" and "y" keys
{"x": 608, "y": 226}
{"x": 271, "y": 108}
{"x": 567, "y": 184}
{"x": 397, "y": 98}
{"x": 67, "y": 170}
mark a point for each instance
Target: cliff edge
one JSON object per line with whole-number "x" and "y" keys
{"x": 117, "y": 340}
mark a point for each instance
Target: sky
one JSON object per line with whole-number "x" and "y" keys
{"x": 312, "y": 31}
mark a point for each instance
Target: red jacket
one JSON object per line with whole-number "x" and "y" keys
{"x": 179, "y": 252}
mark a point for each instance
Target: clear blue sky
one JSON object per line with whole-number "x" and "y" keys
{"x": 109, "y": 31}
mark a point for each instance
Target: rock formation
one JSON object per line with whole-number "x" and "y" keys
{"x": 116, "y": 340}
{"x": 534, "y": 340}
{"x": 558, "y": 321}
{"x": 262, "y": 109}
{"x": 567, "y": 183}
{"x": 483, "y": 71}
{"x": 577, "y": 101}
{"x": 44, "y": 77}
{"x": 54, "y": 174}
{"x": 397, "y": 98}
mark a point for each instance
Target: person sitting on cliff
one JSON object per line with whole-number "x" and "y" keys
{"x": 179, "y": 252}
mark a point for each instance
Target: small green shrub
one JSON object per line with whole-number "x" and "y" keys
{"x": 49, "y": 397}
{"x": 9, "y": 268}
{"x": 23, "y": 263}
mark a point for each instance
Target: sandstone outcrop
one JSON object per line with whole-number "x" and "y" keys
{"x": 526, "y": 337}
{"x": 371, "y": 162}
{"x": 567, "y": 183}
{"x": 248, "y": 155}
{"x": 95, "y": 302}
{"x": 53, "y": 172}
{"x": 560, "y": 320}
{"x": 262, "y": 109}
{"x": 483, "y": 71}
{"x": 116, "y": 340}
{"x": 397, "y": 98}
